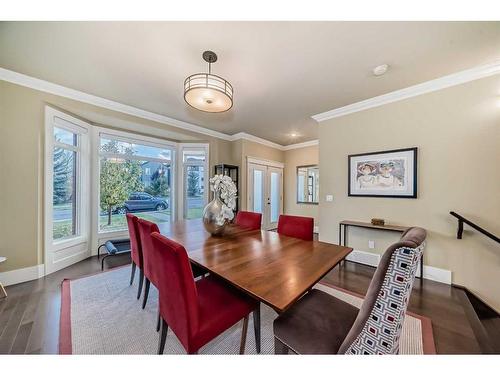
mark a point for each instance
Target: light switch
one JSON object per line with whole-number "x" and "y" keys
{"x": 329, "y": 198}
{"x": 371, "y": 244}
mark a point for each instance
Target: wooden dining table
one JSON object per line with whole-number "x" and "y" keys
{"x": 274, "y": 269}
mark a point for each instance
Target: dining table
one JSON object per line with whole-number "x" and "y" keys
{"x": 272, "y": 268}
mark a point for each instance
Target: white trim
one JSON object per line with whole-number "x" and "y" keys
{"x": 128, "y": 136}
{"x": 78, "y": 244}
{"x": 22, "y": 275}
{"x": 52, "y": 88}
{"x": 182, "y": 170}
{"x": 372, "y": 259}
{"x": 364, "y": 257}
{"x": 253, "y": 138}
{"x": 436, "y": 274}
{"x": 314, "y": 142}
{"x": 269, "y": 163}
{"x": 265, "y": 142}
{"x": 133, "y": 138}
{"x": 454, "y": 79}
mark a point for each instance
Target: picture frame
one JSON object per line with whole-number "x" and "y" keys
{"x": 383, "y": 174}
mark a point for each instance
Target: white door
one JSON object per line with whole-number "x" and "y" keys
{"x": 66, "y": 190}
{"x": 265, "y": 193}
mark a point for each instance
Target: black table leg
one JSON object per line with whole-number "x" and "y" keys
{"x": 422, "y": 269}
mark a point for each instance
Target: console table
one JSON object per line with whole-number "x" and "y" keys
{"x": 3, "y": 293}
{"x": 387, "y": 227}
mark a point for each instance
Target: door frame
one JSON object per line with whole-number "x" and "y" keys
{"x": 266, "y": 164}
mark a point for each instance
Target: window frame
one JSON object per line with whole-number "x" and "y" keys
{"x": 81, "y": 129}
{"x": 183, "y": 168}
{"x": 130, "y": 137}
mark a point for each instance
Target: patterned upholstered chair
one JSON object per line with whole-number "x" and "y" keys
{"x": 322, "y": 324}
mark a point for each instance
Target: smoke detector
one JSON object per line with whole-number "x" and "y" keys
{"x": 380, "y": 70}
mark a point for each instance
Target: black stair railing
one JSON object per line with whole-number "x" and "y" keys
{"x": 462, "y": 220}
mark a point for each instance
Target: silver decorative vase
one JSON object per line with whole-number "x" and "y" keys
{"x": 212, "y": 217}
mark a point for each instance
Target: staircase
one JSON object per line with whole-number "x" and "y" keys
{"x": 485, "y": 321}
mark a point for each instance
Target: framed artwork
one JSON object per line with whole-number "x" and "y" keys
{"x": 390, "y": 174}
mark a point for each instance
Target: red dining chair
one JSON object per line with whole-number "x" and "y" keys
{"x": 151, "y": 269}
{"x": 296, "y": 226}
{"x": 146, "y": 228}
{"x": 248, "y": 220}
{"x": 135, "y": 251}
{"x": 197, "y": 311}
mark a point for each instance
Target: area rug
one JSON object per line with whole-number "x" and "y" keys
{"x": 101, "y": 315}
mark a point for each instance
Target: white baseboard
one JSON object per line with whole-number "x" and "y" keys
{"x": 22, "y": 275}
{"x": 372, "y": 259}
{"x": 436, "y": 274}
{"x": 364, "y": 257}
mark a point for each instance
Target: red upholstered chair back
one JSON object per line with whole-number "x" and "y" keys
{"x": 135, "y": 241}
{"x": 249, "y": 220}
{"x": 296, "y": 226}
{"x": 178, "y": 295}
{"x": 146, "y": 228}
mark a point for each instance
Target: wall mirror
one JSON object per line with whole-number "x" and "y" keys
{"x": 308, "y": 184}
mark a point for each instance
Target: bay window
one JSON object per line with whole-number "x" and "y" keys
{"x": 136, "y": 176}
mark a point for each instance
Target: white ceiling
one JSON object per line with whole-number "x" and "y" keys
{"x": 282, "y": 72}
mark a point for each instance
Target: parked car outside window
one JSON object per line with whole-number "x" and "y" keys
{"x": 140, "y": 201}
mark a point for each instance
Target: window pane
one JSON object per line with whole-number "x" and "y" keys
{"x": 126, "y": 148}
{"x": 194, "y": 185}
{"x": 65, "y": 136}
{"x": 141, "y": 187}
{"x": 275, "y": 197}
{"x": 194, "y": 191}
{"x": 194, "y": 155}
{"x": 257, "y": 191}
{"x": 64, "y": 194}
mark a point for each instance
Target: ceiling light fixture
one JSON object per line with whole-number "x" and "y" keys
{"x": 208, "y": 92}
{"x": 380, "y": 70}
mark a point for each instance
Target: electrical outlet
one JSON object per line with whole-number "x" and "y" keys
{"x": 329, "y": 198}
{"x": 371, "y": 244}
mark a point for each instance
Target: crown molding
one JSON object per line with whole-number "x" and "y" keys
{"x": 253, "y": 138}
{"x": 265, "y": 142}
{"x": 55, "y": 89}
{"x": 52, "y": 88}
{"x": 314, "y": 142}
{"x": 444, "y": 82}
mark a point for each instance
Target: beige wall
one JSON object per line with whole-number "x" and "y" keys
{"x": 21, "y": 163}
{"x": 457, "y": 132}
{"x": 293, "y": 159}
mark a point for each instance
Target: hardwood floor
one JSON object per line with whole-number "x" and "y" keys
{"x": 29, "y": 317}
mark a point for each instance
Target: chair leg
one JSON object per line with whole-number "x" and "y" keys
{"x": 146, "y": 293}
{"x": 141, "y": 281}
{"x": 163, "y": 336}
{"x": 256, "y": 327}
{"x": 158, "y": 322}
{"x": 102, "y": 262}
{"x": 132, "y": 275}
{"x": 244, "y": 335}
{"x": 279, "y": 347}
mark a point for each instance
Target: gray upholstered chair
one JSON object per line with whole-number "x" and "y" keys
{"x": 322, "y": 324}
